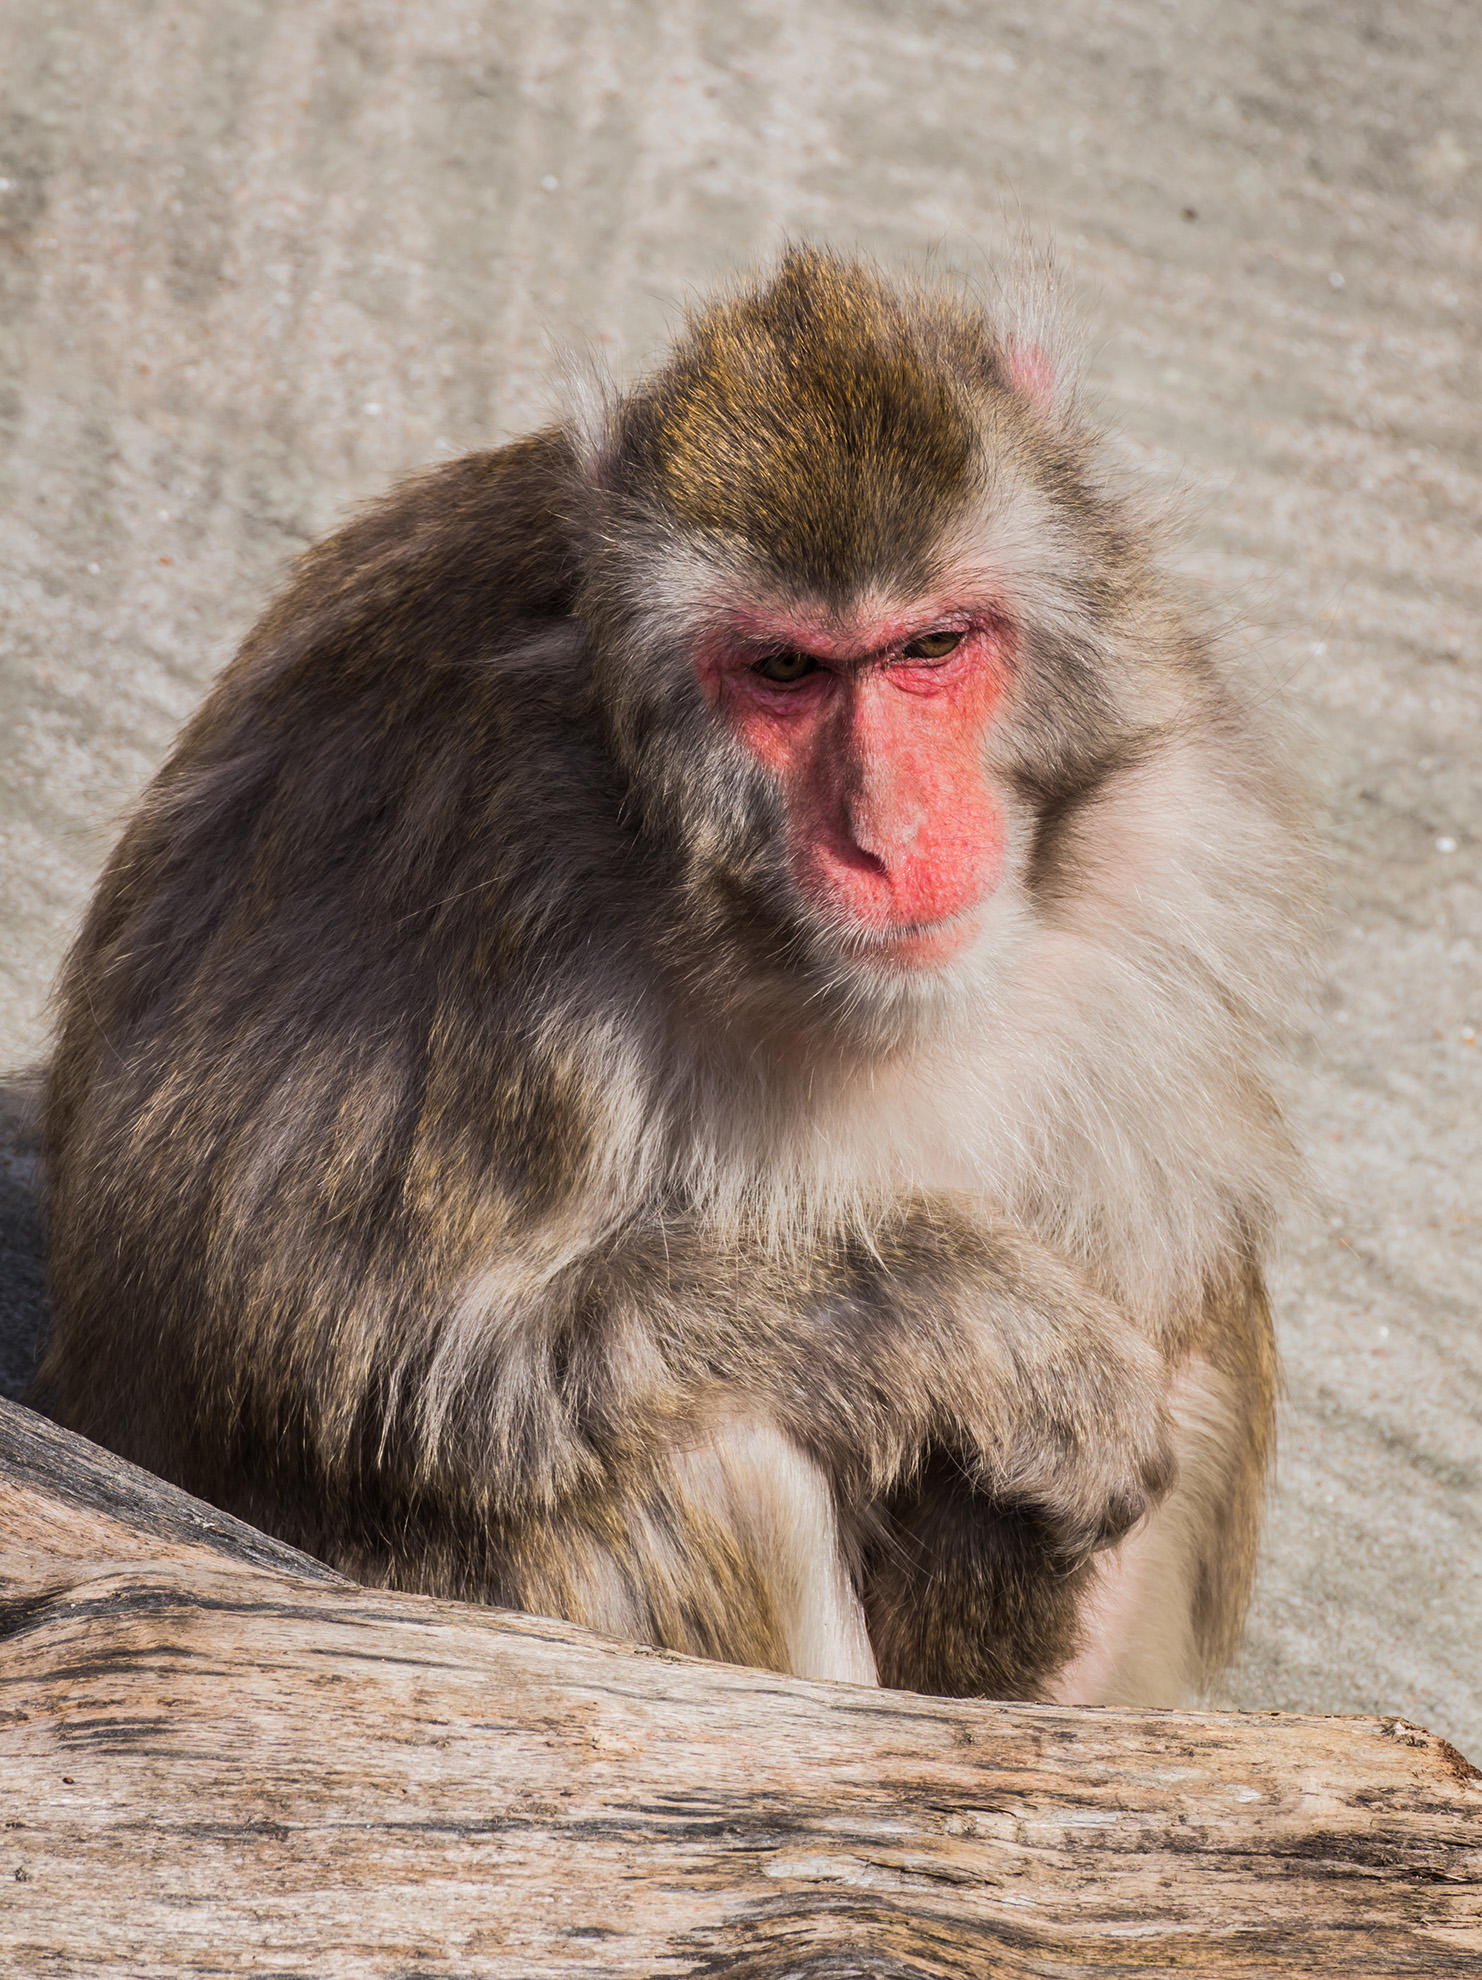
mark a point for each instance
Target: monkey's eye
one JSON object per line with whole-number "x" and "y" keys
{"x": 932, "y": 646}
{"x": 785, "y": 666}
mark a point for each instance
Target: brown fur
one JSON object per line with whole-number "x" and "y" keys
{"x": 817, "y": 422}
{"x": 469, "y": 1160}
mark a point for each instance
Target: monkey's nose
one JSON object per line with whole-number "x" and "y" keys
{"x": 885, "y": 824}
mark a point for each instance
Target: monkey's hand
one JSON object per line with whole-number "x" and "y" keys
{"x": 1065, "y": 1402}
{"x": 951, "y": 1334}
{"x": 938, "y": 1332}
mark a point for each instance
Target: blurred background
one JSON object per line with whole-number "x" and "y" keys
{"x": 260, "y": 256}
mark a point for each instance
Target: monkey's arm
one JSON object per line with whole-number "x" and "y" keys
{"x": 940, "y": 1341}
{"x": 708, "y": 1448}
{"x": 959, "y": 1595}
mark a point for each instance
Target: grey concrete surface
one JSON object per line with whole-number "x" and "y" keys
{"x": 257, "y": 258}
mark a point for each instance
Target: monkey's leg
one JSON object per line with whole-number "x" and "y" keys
{"x": 1163, "y": 1610}
{"x": 964, "y": 1595}
{"x": 755, "y": 1483}
{"x": 732, "y": 1550}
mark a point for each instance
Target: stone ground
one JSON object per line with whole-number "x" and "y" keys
{"x": 258, "y": 258}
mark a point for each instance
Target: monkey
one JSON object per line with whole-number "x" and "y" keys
{"x": 689, "y": 1039}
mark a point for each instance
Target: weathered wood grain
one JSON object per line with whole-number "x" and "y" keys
{"x": 65, "y": 1504}
{"x": 216, "y": 1758}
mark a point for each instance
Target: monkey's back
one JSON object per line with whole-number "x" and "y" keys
{"x": 292, "y": 1072}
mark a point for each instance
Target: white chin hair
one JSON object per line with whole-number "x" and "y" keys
{"x": 880, "y": 984}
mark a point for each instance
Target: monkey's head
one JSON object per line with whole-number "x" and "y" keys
{"x": 849, "y": 611}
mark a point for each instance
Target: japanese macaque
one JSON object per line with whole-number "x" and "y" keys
{"x": 683, "y": 1042}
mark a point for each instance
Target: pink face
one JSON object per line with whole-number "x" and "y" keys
{"x": 875, "y": 737}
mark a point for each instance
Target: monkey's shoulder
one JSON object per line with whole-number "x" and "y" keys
{"x": 498, "y": 522}
{"x": 453, "y": 568}
{"x": 421, "y": 670}
{"x": 388, "y": 766}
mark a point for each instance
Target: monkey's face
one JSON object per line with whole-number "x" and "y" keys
{"x": 851, "y": 601}
{"x": 871, "y": 729}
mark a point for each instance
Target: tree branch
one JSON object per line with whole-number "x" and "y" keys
{"x": 216, "y": 1756}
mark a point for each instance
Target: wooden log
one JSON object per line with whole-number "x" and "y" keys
{"x": 67, "y": 1506}
{"x": 216, "y": 1757}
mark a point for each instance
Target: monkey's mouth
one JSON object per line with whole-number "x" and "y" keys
{"x": 916, "y": 944}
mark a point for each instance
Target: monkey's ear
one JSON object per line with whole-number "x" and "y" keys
{"x": 1032, "y": 372}
{"x": 596, "y": 467}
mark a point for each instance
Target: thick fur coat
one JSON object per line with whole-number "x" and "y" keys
{"x": 470, "y": 1159}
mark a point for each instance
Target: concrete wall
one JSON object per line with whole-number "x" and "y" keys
{"x": 258, "y": 258}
